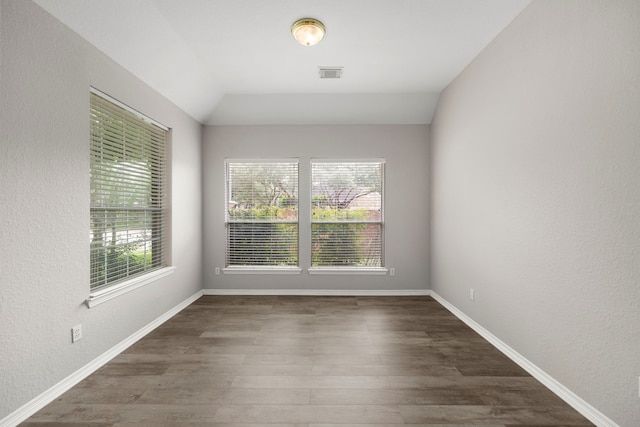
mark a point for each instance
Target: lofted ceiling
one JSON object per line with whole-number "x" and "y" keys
{"x": 235, "y": 61}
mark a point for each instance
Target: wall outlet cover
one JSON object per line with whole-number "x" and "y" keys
{"x": 76, "y": 333}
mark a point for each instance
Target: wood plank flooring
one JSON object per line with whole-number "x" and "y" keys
{"x": 294, "y": 361}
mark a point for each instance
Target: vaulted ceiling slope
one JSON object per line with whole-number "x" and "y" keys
{"x": 235, "y": 62}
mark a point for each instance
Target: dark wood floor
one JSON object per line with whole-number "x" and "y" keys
{"x": 310, "y": 362}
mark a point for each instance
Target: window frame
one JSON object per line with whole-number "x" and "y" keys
{"x": 251, "y": 268}
{"x": 159, "y": 208}
{"x": 349, "y": 270}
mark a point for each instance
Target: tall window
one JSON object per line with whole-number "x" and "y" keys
{"x": 347, "y": 213}
{"x": 262, "y": 213}
{"x": 129, "y": 203}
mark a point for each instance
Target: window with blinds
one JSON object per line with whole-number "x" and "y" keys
{"x": 347, "y": 201}
{"x": 261, "y": 213}
{"x": 129, "y": 202}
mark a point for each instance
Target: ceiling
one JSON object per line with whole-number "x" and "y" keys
{"x": 235, "y": 61}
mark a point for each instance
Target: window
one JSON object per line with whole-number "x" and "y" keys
{"x": 129, "y": 202}
{"x": 347, "y": 213}
{"x": 261, "y": 207}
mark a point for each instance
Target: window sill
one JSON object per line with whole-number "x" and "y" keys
{"x": 104, "y": 295}
{"x": 378, "y": 271}
{"x": 260, "y": 270}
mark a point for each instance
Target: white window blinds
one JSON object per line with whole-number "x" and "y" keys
{"x": 129, "y": 203}
{"x": 347, "y": 199}
{"x": 261, "y": 209}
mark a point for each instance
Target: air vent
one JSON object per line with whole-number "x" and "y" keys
{"x": 330, "y": 72}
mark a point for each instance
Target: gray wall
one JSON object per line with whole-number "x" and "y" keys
{"x": 46, "y": 71}
{"x": 406, "y": 151}
{"x": 535, "y": 195}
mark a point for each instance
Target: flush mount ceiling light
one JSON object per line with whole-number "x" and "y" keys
{"x": 308, "y": 31}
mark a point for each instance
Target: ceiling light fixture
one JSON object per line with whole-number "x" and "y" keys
{"x": 308, "y": 31}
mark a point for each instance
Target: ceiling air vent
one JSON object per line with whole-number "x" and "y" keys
{"x": 330, "y": 72}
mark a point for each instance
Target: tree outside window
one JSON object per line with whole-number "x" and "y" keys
{"x": 347, "y": 213}
{"x": 261, "y": 213}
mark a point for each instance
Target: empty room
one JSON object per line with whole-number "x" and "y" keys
{"x": 319, "y": 213}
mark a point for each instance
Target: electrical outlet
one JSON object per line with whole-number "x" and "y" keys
{"x": 217, "y": 271}
{"x": 392, "y": 271}
{"x": 472, "y": 294}
{"x": 638, "y": 386}
{"x": 76, "y": 333}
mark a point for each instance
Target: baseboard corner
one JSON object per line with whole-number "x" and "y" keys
{"x": 573, "y": 400}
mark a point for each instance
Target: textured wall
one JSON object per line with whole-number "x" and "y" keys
{"x": 406, "y": 151}
{"x": 46, "y": 71}
{"x": 536, "y": 203}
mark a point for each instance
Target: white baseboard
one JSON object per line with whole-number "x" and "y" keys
{"x": 54, "y": 392}
{"x": 588, "y": 411}
{"x": 33, "y": 406}
{"x": 321, "y": 292}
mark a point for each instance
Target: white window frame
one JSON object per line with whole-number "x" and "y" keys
{"x": 131, "y": 281}
{"x": 258, "y": 269}
{"x": 348, "y": 270}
